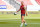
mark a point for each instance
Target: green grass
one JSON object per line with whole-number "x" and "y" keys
{"x": 12, "y": 16}
{"x": 17, "y": 22}
{"x": 10, "y": 20}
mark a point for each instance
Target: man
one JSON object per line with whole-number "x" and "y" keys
{"x": 23, "y": 12}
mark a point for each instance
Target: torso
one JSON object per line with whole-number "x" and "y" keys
{"x": 22, "y": 9}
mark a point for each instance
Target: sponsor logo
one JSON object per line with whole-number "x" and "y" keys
{"x": 3, "y": 7}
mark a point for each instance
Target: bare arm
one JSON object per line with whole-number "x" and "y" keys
{"x": 18, "y": 10}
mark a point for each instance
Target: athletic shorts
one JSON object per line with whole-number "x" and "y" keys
{"x": 22, "y": 14}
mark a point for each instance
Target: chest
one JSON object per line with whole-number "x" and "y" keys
{"x": 22, "y": 7}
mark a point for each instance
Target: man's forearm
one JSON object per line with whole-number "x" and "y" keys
{"x": 18, "y": 10}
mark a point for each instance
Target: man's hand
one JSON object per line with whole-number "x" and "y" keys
{"x": 26, "y": 14}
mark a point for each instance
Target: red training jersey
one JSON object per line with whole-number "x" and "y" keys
{"x": 22, "y": 9}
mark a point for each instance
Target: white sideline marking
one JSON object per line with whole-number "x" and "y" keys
{"x": 24, "y": 18}
{"x": 20, "y": 18}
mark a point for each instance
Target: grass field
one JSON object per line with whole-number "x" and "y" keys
{"x": 10, "y": 20}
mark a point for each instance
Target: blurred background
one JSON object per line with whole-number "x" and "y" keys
{"x": 8, "y": 7}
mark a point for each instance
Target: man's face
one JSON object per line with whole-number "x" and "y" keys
{"x": 22, "y": 3}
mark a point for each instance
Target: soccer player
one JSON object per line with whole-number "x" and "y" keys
{"x": 23, "y": 12}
